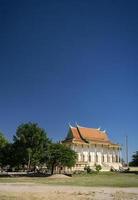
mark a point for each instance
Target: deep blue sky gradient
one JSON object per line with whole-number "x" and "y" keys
{"x": 70, "y": 61}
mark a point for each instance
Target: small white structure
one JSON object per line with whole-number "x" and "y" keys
{"x": 93, "y": 147}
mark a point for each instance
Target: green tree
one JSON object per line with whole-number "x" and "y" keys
{"x": 134, "y": 161}
{"x": 3, "y": 140}
{"x": 3, "y": 144}
{"x": 59, "y": 155}
{"x": 30, "y": 144}
{"x": 7, "y": 156}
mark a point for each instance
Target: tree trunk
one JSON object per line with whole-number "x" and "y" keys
{"x": 52, "y": 169}
{"x": 29, "y": 161}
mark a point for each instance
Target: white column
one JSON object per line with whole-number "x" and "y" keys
{"x": 108, "y": 159}
{"x": 114, "y": 153}
{"x": 86, "y": 156}
{"x": 111, "y": 158}
{"x": 82, "y": 153}
{"x": 118, "y": 154}
{"x": 102, "y": 155}
{"x": 89, "y": 155}
{"x": 121, "y": 155}
{"x": 95, "y": 153}
{"x": 79, "y": 157}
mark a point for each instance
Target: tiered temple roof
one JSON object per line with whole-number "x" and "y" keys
{"x": 83, "y": 135}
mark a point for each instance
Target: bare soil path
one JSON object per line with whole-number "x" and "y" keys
{"x": 25, "y": 191}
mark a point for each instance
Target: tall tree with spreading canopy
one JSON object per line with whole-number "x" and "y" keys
{"x": 59, "y": 155}
{"x": 31, "y": 143}
{"x": 3, "y": 144}
{"x": 3, "y": 140}
{"x": 134, "y": 161}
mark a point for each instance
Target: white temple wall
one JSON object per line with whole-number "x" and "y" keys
{"x": 99, "y": 154}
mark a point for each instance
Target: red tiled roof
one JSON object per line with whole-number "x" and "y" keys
{"x": 86, "y": 135}
{"x": 93, "y": 134}
{"x": 75, "y": 133}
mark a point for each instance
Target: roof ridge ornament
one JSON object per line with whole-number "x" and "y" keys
{"x": 70, "y": 125}
{"x": 77, "y": 125}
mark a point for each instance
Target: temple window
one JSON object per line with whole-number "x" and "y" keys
{"x": 112, "y": 158}
{"x": 103, "y": 158}
{"x": 83, "y": 157}
{"x": 96, "y": 158}
{"x": 116, "y": 158}
{"x": 89, "y": 157}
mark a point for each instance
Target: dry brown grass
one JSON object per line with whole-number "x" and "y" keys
{"x": 69, "y": 195}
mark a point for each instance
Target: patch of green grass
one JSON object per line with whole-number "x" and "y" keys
{"x": 93, "y": 180}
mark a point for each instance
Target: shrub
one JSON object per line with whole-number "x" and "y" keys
{"x": 88, "y": 169}
{"x": 98, "y": 168}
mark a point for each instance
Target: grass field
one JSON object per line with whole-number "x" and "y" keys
{"x": 92, "y": 180}
{"x": 110, "y": 186}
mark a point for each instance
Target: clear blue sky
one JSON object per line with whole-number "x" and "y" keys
{"x": 70, "y": 61}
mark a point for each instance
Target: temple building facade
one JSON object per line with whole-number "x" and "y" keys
{"x": 93, "y": 147}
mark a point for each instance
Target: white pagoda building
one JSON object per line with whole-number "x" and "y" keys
{"x": 93, "y": 147}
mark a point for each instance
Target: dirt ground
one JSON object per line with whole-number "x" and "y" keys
{"x": 46, "y": 192}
